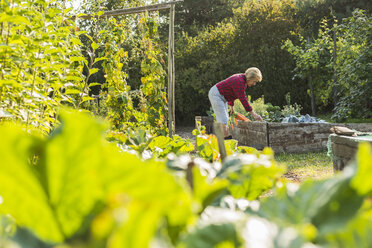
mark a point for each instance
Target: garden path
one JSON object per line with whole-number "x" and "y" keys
{"x": 185, "y": 132}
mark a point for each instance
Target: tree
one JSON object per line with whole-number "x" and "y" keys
{"x": 312, "y": 64}
{"x": 353, "y": 66}
{"x": 310, "y": 13}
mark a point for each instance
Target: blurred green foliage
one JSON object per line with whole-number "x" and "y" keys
{"x": 74, "y": 189}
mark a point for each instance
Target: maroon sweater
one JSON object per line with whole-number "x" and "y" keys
{"x": 233, "y": 88}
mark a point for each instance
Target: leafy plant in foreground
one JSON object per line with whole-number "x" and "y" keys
{"x": 73, "y": 183}
{"x": 76, "y": 176}
{"x": 78, "y": 190}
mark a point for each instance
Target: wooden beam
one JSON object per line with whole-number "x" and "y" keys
{"x": 134, "y": 10}
{"x": 171, "y": 73}
{"x": 172, "y": 13}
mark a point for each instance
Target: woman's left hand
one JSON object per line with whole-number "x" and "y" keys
{"x": 256, "y": 116}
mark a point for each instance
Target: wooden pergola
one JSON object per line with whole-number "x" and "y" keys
{"x": 171, "y": 67}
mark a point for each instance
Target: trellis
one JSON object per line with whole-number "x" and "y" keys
{"x": 171, "y": 64}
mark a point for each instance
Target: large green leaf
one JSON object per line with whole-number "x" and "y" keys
{"x": 250, "y": 175}
{"x": 23, "y": 196}
{"x": 70, "y": 169}
{"x": 354, "y": 235}
{"x": 362, "y": 182}
{"x": 207, "y": 147}
{"x": 147, "y": 181}
{"x": 213, "y": 235}
{"x": 328, "y": 205}
{"x": 152, "y": 195}
{"x": 75, "y": 169}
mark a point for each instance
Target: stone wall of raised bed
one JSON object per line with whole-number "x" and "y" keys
{"x": 344, "y": 149}
{"x": 289, "y": 137}
{"x": 298, "y": 137}
{"x": 284, "y": 137}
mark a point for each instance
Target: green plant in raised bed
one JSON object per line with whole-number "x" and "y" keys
{"x": 268, "y": 111}
{"x": 290, "y": 109}
{"x": 274, "y": 113}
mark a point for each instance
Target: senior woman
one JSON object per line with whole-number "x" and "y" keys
{"x": 230, "y": 89}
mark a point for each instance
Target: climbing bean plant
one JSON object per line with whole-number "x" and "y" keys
{"x": 108, "y": 48}
{"x": 47, "y": 62}
{"x": 40, "y": 61}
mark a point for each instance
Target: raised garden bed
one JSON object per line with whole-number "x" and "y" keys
{"x": 344, "y": 149}
{"x": 284, "y": 137}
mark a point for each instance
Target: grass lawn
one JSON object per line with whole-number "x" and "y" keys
{"x": 316, "y": 165}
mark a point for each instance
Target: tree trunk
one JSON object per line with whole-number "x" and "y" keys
{"x": 313, "y": 109}
{"x": 334, "y": 70}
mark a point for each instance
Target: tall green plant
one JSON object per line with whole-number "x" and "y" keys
{"x": 153, "y": 77}
{"x": 312, "y": 65}
{"x": 353, "y": 66}
{"x": 113, "y": 45}
{"x": 117, "y": 98}
{"x": 40, "y": 61}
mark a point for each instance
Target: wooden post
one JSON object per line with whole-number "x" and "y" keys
{"x": 189, "y": 175}
{"x": 171, "y": 72}
{"x": 218, "y": 131}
